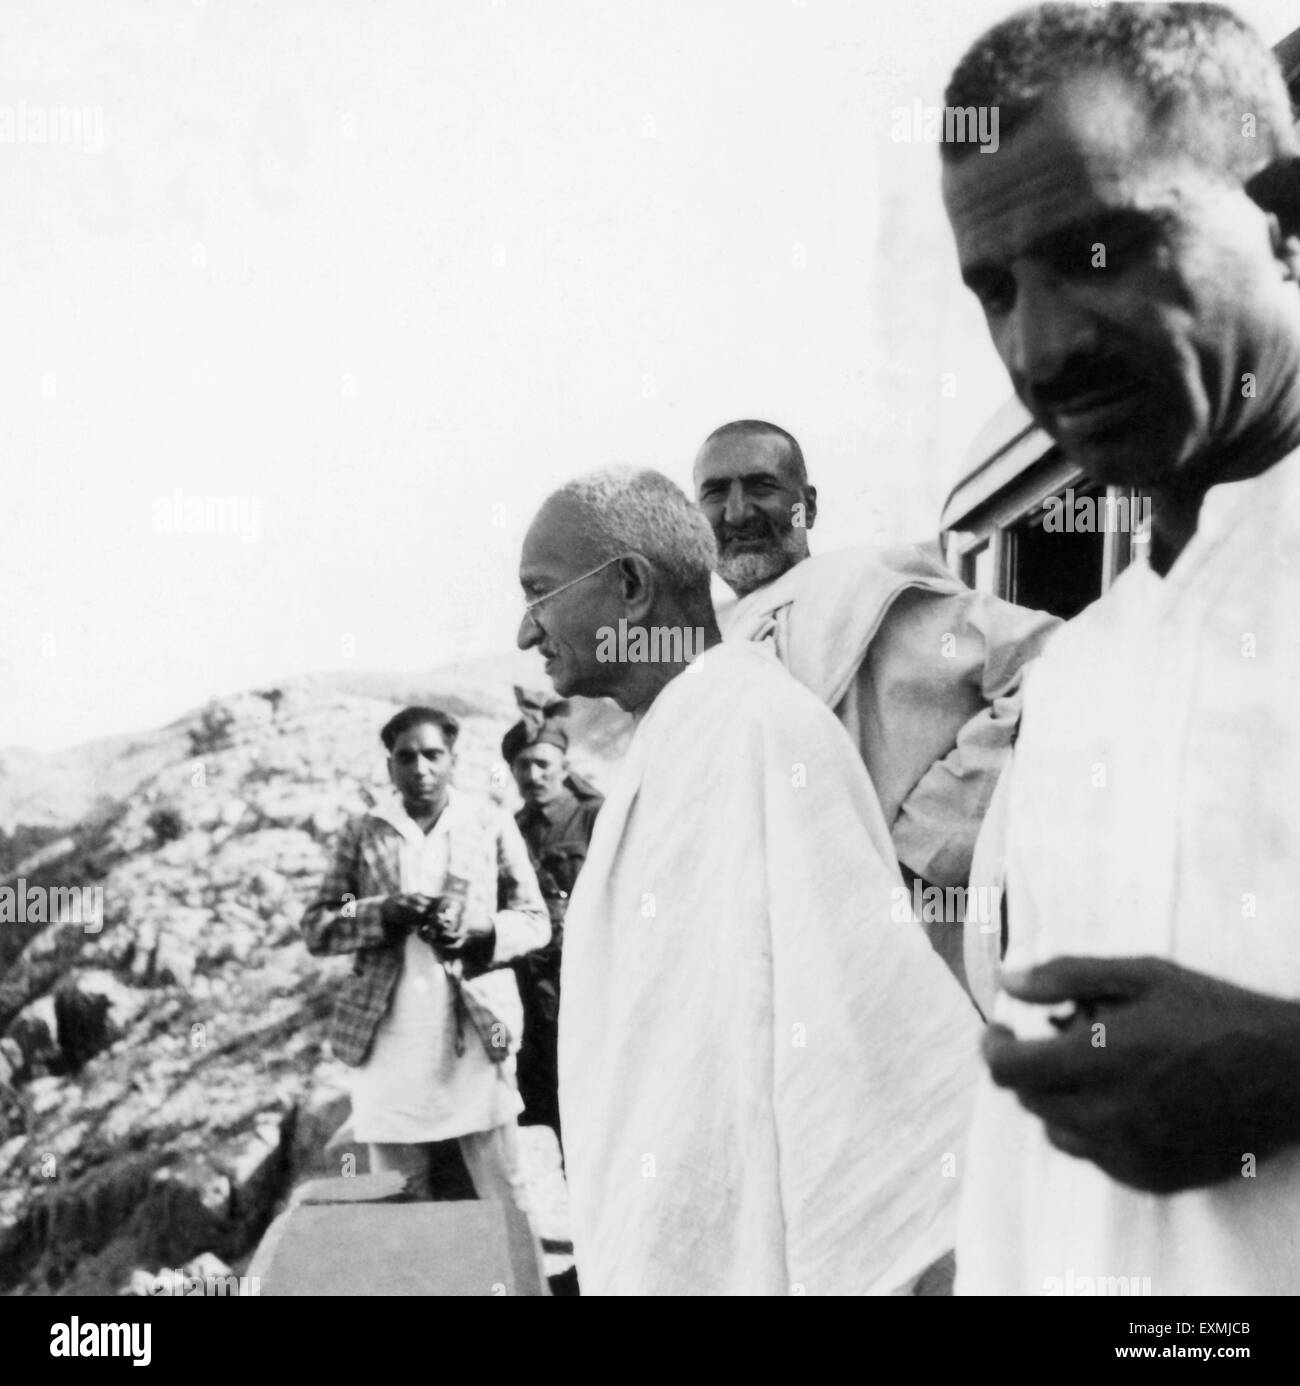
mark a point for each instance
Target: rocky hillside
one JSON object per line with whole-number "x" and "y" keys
{"x": 163, "y": 1078}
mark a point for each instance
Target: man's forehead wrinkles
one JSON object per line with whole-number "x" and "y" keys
{"x": 740, "y": 472}
{"x": 1067, "y": 166}
{"x": 740, "y": 449}
{"x": 537, "y": 564}
{"x": 1016, "y": 217}
{"x": 556, "y": 544}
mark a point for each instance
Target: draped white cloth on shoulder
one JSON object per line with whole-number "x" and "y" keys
{"x": 765, "y": 1073}
{"x": 842, "y": 597}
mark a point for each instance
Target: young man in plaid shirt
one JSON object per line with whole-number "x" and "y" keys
{"x": 432, "y": 894}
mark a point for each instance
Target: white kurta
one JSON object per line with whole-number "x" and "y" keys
{"x": 1154, "y": 808}
{"x": 414, "y": 1087}
{"x": 764, "y": 1079}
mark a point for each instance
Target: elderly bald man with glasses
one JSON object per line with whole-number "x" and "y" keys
{"x": 761, "y": 1072}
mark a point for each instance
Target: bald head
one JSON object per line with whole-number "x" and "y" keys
{"x": 757, "y": 434}
{"x": 617, "y": 549}
{"x": 752, "y": 485}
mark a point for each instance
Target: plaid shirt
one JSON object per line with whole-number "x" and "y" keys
{"x": 346, "y": 917}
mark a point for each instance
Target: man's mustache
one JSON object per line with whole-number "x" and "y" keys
{"x": 753, "y": 529}
{"x": 1081, "y": 377}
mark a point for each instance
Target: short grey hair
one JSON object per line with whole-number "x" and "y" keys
{"x": 1199, "y": 68}
{"x": 760, "y": 428}
{"x": 636, "y": 510}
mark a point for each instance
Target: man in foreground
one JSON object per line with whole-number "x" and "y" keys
{"x": 431, "y": 894}
{"x": 923, "y": 673}
{"x": 763, "y": 1079}
{"x": 1148, "y": 313}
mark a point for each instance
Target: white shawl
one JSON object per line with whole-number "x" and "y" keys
{"x": 764, "y": 1069}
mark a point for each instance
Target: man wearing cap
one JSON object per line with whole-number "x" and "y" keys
{"x": 556, "y": 822}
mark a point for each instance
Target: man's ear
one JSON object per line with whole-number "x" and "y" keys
{"x": 1276, "y": 190}
{"x": 639, "y": 585}
{"x": 809, "y": 506}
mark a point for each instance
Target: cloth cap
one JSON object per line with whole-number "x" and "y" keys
{"x": 542, "y": 724}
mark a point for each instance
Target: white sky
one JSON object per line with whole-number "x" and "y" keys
{"x": 385, "y": 274}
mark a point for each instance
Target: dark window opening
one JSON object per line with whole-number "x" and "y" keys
{"x": 1054, "y": 571}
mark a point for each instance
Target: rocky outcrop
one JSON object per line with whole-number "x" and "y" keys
{"x": 164, "y": 1079}
{"x": 34, "y": 1032}
{"x": 92, "y": 1010}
